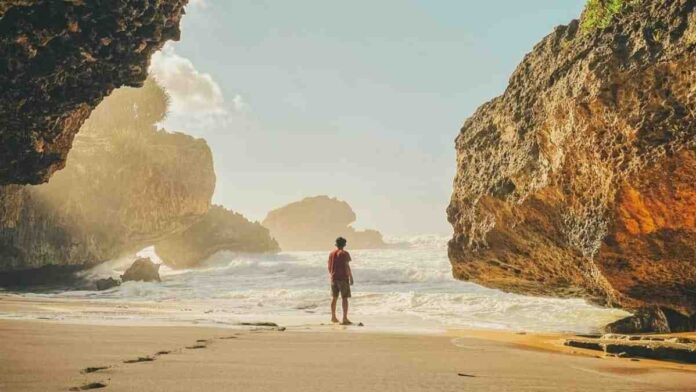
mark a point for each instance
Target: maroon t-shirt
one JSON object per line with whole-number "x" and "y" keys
{"x": 338, "y": 265}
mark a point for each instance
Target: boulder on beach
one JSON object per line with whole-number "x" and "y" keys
{"x": 105, "y": 284}
{"x": 653, "y": 319}
{"x": 578, "y": 181}
{"x": 142, "y": 270}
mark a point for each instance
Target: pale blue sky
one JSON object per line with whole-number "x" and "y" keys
{"x": 361, "y": 100}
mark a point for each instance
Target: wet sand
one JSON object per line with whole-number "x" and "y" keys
{"x": 49, "y": 356}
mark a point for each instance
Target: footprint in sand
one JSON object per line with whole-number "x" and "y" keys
{"x": 92, "y": 385}
{"x": 140, "y": 359}
{"x": 163, "y": 352}
{"x": 259, "y": 324}
{"x": 196, "y": 346}
{"x": 93, "y": 369}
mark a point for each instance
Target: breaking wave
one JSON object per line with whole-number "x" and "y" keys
{"x": 409, "y": 286}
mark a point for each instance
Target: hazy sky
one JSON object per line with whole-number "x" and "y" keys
{"x": 361, "y": 100}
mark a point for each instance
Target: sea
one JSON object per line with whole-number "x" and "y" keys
{"x": 406, "y": 288}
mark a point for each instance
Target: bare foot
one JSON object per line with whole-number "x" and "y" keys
{"x": 346, "y": 322}
{"x": 334, "y": 320}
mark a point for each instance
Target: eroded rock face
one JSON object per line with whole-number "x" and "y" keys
{"x": 579, "y": 180}
{"x": 58, "y": 59}
{"x": 219, "y": 230}
{"x": 126, "y": 185}
{"x": 314, "y": 223}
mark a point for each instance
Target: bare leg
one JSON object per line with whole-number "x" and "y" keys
{"x": 344, "y": 305}
{"x": 334, "y": 319}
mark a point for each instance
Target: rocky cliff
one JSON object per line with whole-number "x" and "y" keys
{"x": 314, "y": 223}
{"x": 58, "y": 59}
{"x": 579, "y": 181}
{"x": 218, "y": 230}
{"x": 126, "y": 185}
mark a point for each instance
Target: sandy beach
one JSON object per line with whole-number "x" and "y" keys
{"x": 49, "y": 356}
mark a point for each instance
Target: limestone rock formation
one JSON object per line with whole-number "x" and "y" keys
{"x": 314, "y": 223}
{"x": 58, "y": 59}
{"x": 142, "y": 270}
{"x": 219, "y": 230}
{"x": 126, "y": 185}
{"x": 579, "y": 181}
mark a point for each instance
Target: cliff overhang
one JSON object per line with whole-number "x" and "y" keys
{"x": 579, "y": 180}
{"x": 58, "y": 59}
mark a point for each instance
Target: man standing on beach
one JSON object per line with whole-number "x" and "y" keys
{"x": 341, "y": 279}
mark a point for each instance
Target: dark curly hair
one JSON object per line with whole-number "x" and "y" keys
{"x": 341, "y": 242}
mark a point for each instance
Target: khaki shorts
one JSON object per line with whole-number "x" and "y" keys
{"x": 340, "y": 286}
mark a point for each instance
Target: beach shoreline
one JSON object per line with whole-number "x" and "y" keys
{"x": 43, "y": 355}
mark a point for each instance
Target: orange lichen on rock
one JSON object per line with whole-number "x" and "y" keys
{"x": 650, "y": 251}
{"x": 666, "y": 203}
{"x": 634, "y": 213}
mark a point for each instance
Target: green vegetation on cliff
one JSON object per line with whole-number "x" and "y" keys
{"x": 599, "y": 13}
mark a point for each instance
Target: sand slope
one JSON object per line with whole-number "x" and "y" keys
{"x": 42, "y": 356}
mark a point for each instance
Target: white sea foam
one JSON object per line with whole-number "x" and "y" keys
{"x": 405, "y": 287}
